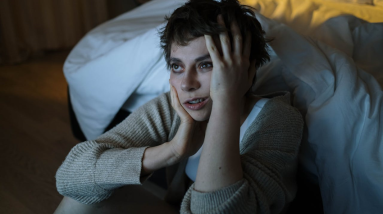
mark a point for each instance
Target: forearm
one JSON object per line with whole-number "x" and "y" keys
{"x": 157, "y": 157}
{"x": 220, "y": 163}
{"x": 92, "y": 170}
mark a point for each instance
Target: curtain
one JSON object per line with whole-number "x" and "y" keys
{"x": 31, "y": 27}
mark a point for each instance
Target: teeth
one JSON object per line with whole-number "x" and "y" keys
{"x": 196, "y": 101}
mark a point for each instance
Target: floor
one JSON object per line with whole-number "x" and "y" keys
{"x": 35, "y": 134}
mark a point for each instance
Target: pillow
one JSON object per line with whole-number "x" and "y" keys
{"x": 111, "y": 61}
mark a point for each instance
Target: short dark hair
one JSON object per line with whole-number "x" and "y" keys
{"x": 199, "y": 17}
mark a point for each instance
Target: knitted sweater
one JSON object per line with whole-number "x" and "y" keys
{"x": 93, "y": 169}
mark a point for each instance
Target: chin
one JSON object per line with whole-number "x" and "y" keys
{"x": 200, "y": 116}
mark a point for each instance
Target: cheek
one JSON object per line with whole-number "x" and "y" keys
{"x": 174, "y": 81}
{"x": 172, "y": 78}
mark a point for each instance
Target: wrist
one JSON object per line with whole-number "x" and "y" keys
{"x": 174, "y": 156}
{"x": 227, "y": 104}
{"x": 226, "y": 96}
{"x": 231, "y": 109}
{"x": 156, "y": 158}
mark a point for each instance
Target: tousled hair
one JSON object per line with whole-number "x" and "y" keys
{"x": 199, "y": 17}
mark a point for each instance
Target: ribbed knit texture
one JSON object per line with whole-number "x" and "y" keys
{"x": 93, "y": 169}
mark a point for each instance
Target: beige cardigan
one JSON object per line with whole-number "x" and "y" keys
{"x": 93, "y": 169}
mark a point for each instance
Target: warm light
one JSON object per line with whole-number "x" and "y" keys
{"x": 306, "y": 15}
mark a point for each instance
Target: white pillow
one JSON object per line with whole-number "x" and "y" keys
{"x": 100, "y": 87}
{"x": 110, "y": 62}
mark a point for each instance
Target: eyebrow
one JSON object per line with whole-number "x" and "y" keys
{"x": 201, "y": 58}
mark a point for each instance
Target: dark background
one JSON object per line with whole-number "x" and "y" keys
{"x": 35, "y": 133}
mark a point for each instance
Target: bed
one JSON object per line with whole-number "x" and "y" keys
{"x": 328, "y": 54}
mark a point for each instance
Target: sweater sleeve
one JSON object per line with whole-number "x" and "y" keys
{"x": 269, "y": 160}
{"x": 93, "y": 169}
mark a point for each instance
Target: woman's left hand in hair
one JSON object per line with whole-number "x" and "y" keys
{"x": 233, "y": 72}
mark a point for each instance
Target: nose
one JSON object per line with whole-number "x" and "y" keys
{"x": 190, "y": 81}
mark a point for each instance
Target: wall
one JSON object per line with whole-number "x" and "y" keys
{"x": 31, "y": 27}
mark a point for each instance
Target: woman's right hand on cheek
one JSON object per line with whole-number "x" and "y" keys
{"x": 190, "y": 134}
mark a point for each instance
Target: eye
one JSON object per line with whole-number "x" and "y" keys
{"x": 206, "y": 65}
{"x": 176, "y": 68}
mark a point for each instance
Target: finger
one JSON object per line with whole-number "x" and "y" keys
{"x": 213, "y": 51}
{"x": 224, "y": 37}
{"x": 247, "y": 47}
{"x": 237, "y": 38}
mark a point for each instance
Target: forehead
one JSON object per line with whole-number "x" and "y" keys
{"x": 194, "y": 48}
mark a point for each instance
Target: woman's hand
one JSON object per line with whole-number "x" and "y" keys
{"x": 190, "y": 134}
{"x": 186, "y": 142}
{"x": 232, "y": 72}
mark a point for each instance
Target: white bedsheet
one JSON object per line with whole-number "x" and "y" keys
{"x": 333, "y": 75}
{"x": 343, "y": 108}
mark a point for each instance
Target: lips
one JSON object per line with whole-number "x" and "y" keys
{"x": 196, "y": 103}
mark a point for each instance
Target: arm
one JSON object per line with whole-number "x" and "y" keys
{"x": 269, "y": 158}
{"x": 220, "y": 163}
{"x": 85, "y": 175}
{"x": 232, "y": 77}
{"x": 262, "y": 179}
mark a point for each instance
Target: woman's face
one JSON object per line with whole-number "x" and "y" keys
{"x": 190, "y": 74}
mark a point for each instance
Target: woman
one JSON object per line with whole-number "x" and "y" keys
{"x": 226, "y": 150}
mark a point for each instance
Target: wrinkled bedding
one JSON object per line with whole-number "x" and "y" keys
{"x": 342, "y": 104}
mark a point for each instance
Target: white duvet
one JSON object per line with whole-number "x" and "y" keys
{"x": 335, "y": 75}
{"x": 343, "y": 108}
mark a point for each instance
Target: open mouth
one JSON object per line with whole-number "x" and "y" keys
{"x": 196, "y": 103}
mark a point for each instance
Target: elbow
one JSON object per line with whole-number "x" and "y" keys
{"x": 61, "y": 182}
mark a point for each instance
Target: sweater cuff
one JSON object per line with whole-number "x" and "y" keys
{"x": 91, "y": 199}
{"x": 119, "y": 167}
{"x": 217, "y": 201}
